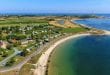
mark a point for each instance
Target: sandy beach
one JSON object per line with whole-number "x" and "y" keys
{"x": 106, "y": 32}
{"x": 67, "y": 24}
{"x": 41, "y": 65}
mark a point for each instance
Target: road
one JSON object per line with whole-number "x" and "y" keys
{"x": 39, "y": 50}
{"x": 3, "y": 62}
{"x": 18, "y": 66}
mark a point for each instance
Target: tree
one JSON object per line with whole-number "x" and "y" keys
{"x": 11, "y": 62}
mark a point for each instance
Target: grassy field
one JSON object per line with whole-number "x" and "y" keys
{"x": 27, "y": 68}
{"x": 74, "y": 30}
{"x": 16, "y": 21}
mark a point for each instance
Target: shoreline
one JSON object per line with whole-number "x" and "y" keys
{"x": 67, "y": 23}
{"x": 82, "y": 25}
{"x": 106, "y": 32}
{"x": 41, "y": 65}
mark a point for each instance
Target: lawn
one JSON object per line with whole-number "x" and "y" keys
{"x": 27, "y": 68}
{"x": 74, "y": 30}
{"x": 16, "y": 21}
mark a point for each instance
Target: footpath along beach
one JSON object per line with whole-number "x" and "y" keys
{"x": 41, "y": 65}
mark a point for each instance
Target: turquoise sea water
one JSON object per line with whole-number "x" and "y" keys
{"x": 87, "y": 55}
{"x": 96, "y": 23}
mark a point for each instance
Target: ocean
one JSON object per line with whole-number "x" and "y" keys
{"x": 87, "y": 55}
{"x": 103, "y": 23}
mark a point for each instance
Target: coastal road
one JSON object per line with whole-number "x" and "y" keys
{"x": 3, "y": 62}
{"x": 18, "y": 66}
{"x": 39, "y": 50}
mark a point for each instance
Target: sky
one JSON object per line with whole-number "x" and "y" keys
{"x": 55, "y": 6}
